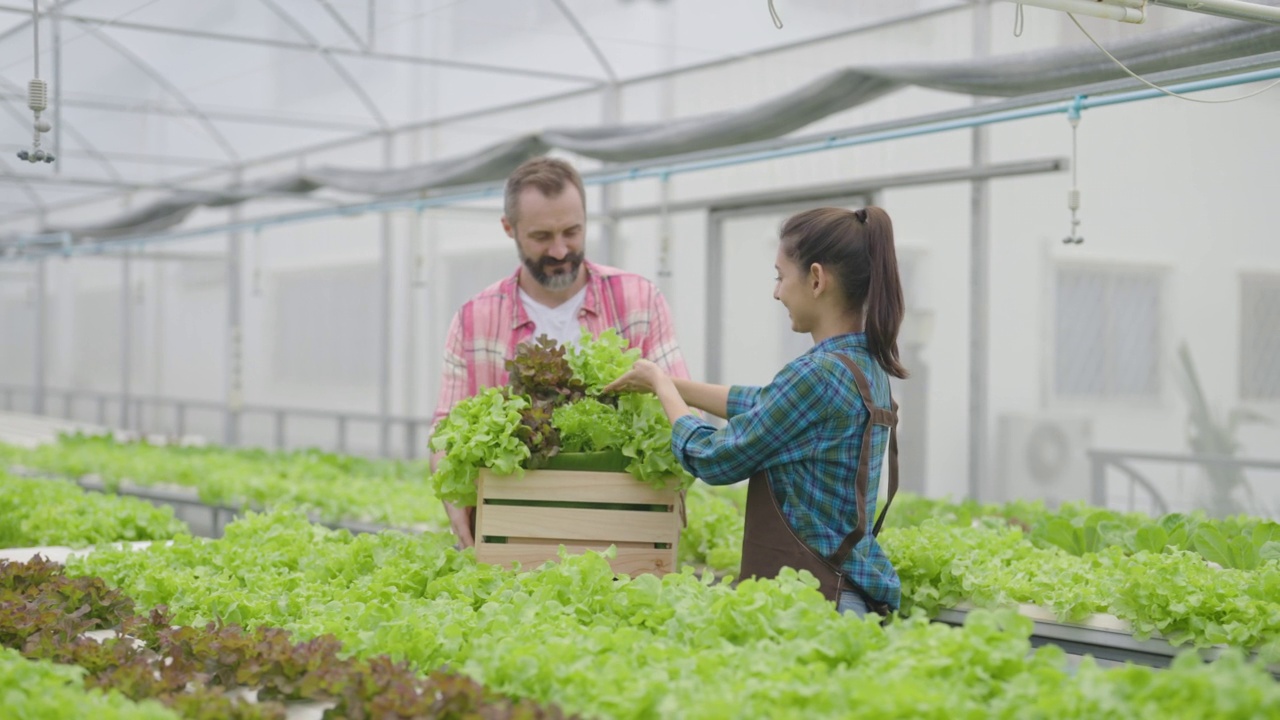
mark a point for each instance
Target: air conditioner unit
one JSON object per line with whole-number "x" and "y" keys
{"x": 1041, "y": 457}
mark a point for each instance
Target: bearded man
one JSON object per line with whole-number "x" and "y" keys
{"x": 555, "y": 291}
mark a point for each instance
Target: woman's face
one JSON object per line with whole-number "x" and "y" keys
{"x": 793, "y": 290}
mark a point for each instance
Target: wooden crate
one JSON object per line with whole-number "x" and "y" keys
{"x": 527, "y": 519}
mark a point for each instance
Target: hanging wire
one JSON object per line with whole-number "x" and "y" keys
{"x": 1170, "y": 93}
{"x": 37, "y": 98}
{"x": 257, "y": 262}
{"x": 35, "y": 23}
{"x": 1073, "y": 195}
{"x": 416, "y": 239}
{"x": 773, "y": 13}
{"x": 1019, "y": 21}
{"x": 664, "y": 230}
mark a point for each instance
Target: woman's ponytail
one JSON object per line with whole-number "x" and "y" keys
{"x": 856, "y": 247}
{"x": 885, "y": 304}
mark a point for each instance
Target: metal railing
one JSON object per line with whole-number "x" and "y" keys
{"x": 1101, "y": 462}
{"x": 143, "y": 411}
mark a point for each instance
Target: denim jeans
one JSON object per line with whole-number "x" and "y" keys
{"x": 851, "y": 602}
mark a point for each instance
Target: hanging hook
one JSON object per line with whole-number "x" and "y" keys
{"x": 664, "y": 228}
{"x": 257, "y": 261}
{"x": 773, "y": 13}
{"x": 1073, "y": 195}
{"x": 1019, "y": 21}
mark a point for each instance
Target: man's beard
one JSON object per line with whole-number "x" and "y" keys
{"x": 554, "y": 281}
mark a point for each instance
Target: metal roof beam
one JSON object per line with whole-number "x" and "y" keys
{"x": 139, "y": 158}
{"x": 24, "y": 24}
{"x": 343, "y": 73}
{"x": 150, "y": 108}
{"x": 326, "y": 145}
{"x": 587, "y": 40}
{"x": 168, "y": 86}
{"x": 369, "y": 134}
{"x": 303, "y": 47}
{"x": 1233, "y": 9}
{"x": 342, "y": 23}
{"x": 88, "y": 181}
{"x": 41, "y": 206}
{"x": 158, "y": 256}
{"x": 1103, "y": 94}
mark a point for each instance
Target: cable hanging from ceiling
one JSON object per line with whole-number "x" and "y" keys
{"x": 37, "y": 99}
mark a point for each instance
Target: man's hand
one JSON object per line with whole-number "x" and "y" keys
{"x": 462, "y": 520}
{"x": 644, "y": 376}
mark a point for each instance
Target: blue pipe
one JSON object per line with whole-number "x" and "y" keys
{"x": 1071, "y": 107}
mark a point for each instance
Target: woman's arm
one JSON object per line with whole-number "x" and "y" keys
{"x": 704, "y": 396}
{"x": 780, "y": 417}
{"x": 778, "y": 426}
{"x": 672, "y": 403}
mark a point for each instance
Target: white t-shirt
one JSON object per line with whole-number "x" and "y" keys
{"x": 560, "y": 323}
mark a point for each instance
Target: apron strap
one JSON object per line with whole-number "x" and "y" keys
{"x": 879, "y": 416}
{"x": 893, "y": 468}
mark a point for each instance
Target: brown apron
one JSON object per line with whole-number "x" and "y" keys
{"x": 770, "y": 544}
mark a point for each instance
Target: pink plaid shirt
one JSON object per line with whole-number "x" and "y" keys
{"x": 486, "y": 330}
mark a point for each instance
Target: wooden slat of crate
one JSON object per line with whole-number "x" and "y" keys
{"x": 573, "y": 486}
{"x": 629, "y": 560}
{"x": 534, "y": 533}
{"x": 581, "y": 524}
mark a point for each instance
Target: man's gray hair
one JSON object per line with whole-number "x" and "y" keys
{"x": 549, "y": 175}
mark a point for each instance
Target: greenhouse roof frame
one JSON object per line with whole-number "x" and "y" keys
{"x": 330, "y": 132}
{"x": 340, "y": 46}
{"x": 1118, "y": 92}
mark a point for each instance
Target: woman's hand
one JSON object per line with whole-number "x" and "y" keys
{"x": 644, "y": 376}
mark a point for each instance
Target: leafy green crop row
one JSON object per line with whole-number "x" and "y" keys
{"x": 58, "y": 513}
{"x": 1077, "y": 561}
{"x": 334, "y": 487}
{"x": 193, "y": 671}
{"x": 1173, "y": 593}
{"x": 713, "y": 536}
{"x": 1074, "y": 561}
{"x": 1235, "y": 542}
{"x": 43, "y": 691}
{"x": 53, "y": 512}
{"x": 680, "y": 646}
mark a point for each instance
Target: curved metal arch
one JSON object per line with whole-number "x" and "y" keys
{"x": 337, "y": 51}
{"x": 342, "y": 23}
{"x": 89, "y": 147}
{"x": 39, "y": 202}
{"x": 586, "y": 39}
{"x": 24, "y": 24}
{"x": 346, "y": 76}
{"x": 168, "y": 86}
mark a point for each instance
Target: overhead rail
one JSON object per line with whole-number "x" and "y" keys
{"x": 1233, "y": 9}
{"x": 1126, "y": 11}
{"x": 1134, "y": 11}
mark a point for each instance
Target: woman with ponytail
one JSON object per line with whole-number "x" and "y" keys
{"x": 813, "y": 440}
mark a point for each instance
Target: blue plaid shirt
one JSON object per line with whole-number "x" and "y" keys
{"x": 806, "y": 429}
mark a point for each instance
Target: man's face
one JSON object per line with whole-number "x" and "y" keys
{"x": 550, "y": 235}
